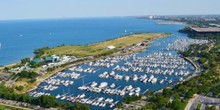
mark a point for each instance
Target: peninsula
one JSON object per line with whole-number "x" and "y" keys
{"x": 78, "y": 54}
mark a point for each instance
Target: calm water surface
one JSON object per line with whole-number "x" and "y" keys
{"x": 19, "y": 38}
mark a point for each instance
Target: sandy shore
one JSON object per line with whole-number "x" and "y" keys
{"x": 9, "y": 65}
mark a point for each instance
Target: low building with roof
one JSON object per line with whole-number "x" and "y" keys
{"x": 37, "y": 61}
{"x": 206, "y": 29}
{"x": 111, "y": 47}
{"x": 52, "y": 58}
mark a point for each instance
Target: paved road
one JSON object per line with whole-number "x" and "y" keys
{"x": 199, "y": 99}
{"x": 23, "y": 105}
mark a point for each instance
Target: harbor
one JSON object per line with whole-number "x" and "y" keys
{"x": 105, "y": 82}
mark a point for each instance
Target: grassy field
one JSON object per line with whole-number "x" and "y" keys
{"x": 101, "y": 47}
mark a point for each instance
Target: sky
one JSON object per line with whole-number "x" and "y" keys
{"x": 47, "y": 9}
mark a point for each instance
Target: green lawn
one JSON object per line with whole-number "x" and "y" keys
{"x": 100, "y": 48}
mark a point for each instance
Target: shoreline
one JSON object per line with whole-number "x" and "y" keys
{"x": 164, "y": 22}
{"x": 13, "y": 64}
{"x": 194, "y": 74}
{"x": 8, "y": 65}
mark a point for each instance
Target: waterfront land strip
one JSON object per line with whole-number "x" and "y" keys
{"x": 122, "y": 45}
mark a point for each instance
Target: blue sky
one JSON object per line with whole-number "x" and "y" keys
{"x": 46, "y": 9}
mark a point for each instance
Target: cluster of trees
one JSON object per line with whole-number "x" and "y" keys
{"x": 27, "y": 74}
{"x": 39, "y": 52}
{"x": 131, "y": 99}
{"x": 25, "y": 60}
{"x": 162, "y": 101}
{"x": 198, "y": 107}
{"x": 43, "y": 101}
{"x": 210, "y": 108}
{"x": 32, "y": 65}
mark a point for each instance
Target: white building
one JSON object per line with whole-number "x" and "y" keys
{"x": 111, "y": 47}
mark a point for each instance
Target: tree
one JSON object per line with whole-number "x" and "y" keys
{"x": 46, "y": 101}
{"x": 167, "y": 92}
{"x": 210, "y": 108}
{"x": 25, "y": 60}
{"x": 19, "y": 88}
{"x": 27, "y": 74}
{"x": 189, "y": 94}
{"x": 177, "y": 104}
{"x": 78, "y": 107}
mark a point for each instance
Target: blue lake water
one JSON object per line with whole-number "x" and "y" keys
{"x": 19, "y": 38}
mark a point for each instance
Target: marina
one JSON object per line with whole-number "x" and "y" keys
{"x": 105, "y": 82}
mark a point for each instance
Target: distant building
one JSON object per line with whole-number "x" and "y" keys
{"x": 37, "y": 61}
{"x": 52, "y": 58}
{"x": 206, "y": 30}
{"x": 111, "y": 47}
{"x": 151, "y": 17}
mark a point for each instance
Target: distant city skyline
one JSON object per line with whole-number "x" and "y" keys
{"x": 49, "y": 9}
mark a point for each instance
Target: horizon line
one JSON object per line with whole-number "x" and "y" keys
{"x": 60, "y": 18}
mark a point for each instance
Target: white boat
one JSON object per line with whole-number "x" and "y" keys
{"x": 151, "y": 77}
{"x": 170, "y": 81}
{"x": 94, "y": 84}
{"x": 129, "y": 87}
{"x": 131, "y": 93}
{"x": 112, "y": 73}
{"x": 58, "y": 96}
{"x": 145, "y": 80}
{"x": 181, "y": 79}
{"x": 127, "y": 78}
{"x": 161, "y": 81}
{"x": 112, "y": 85}
{"x": 122, "y": 93}
{"x": 138, "y": 89}
{"x": 63, "y": 97}
{"x": 154, "y": 81}
{"x": 135, "y": 77}
{"x": 103, "y": 85}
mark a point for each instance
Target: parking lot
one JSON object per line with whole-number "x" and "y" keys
{"x": 205, "y": 101}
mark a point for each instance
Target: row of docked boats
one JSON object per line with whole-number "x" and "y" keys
{"x": 105, "y": 88}
{"x": 156, "y": 63}
{"x": 109, "y": 62}
{"x": 142, "y": 78}
{"x": 81, "y": 98}
{"x": 38, "y": 94}
{"x": 72, "y": 75}
{"x": 50, "y": 87}
{"x": 53, "y": 81}
{"x": 183, "y": 44}
{"x": 80, "y": 69}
